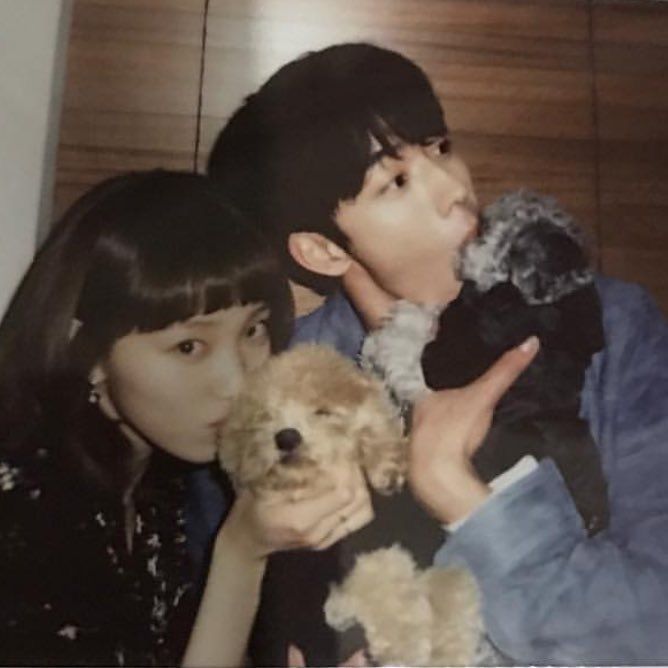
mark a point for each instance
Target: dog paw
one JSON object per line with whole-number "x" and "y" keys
{"x": 388, "y": 480}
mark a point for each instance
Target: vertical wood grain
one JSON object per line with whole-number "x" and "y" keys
{"x": 631, "y": 56}
{"x": 131, "y": 90}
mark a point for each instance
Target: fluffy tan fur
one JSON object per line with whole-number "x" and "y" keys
{"x": 411, "y": 618}
{"x": 342, "y": 414}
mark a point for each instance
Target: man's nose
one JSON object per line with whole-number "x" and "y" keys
{"x": 445, "y": 187}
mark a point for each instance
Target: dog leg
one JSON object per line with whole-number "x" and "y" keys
{"x": 457, "y": 626}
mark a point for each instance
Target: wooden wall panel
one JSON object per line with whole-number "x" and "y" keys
{"x": 563, "y": 96}
{"x": 631, "y": 57}
{"x": 131, "y": 93}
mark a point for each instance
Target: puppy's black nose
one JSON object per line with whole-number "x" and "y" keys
{"x": 287, "y": 440}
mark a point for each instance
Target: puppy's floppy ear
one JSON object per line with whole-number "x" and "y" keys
{"x": 318, "y": 254}
{"x": 382, "y": 446}
{"x": 235, "y": 438}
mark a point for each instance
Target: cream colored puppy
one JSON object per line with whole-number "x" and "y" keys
{"x": 307, "y": 412}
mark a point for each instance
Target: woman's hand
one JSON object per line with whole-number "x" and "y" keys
{"x": 296, "y": 658}
{"x": 262, "y": 525}
{"x": 255, "y": 528}
{"x": 448, "y": 427}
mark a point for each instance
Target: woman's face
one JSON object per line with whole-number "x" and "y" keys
{"x": 173, "y": 387}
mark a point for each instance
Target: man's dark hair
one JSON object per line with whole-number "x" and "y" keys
{"x": 302, "y": 143}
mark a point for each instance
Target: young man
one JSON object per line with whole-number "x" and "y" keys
{"x": 343, "y": 159}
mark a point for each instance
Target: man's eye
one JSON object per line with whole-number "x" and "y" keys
{"x": 189, "y": 347}
{"x": 443, "y": 146}
{"x": 397, "y": 183}
{"x": 258, "y": 330}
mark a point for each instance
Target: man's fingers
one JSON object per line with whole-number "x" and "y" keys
{"x": 492, "y": 385}
{"x": 295, "y": 657}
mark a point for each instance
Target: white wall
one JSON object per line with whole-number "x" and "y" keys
{"x": 33, "y": 44}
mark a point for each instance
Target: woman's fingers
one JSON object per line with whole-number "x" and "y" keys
{"x": 357, "y": 660}
{"x": 342, "y": 520}
{"x": 347, "y": 522}
{"x": 296, "y": 658}
{"x": 315, "y": 521}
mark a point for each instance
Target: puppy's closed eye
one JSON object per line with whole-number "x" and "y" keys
{"x": 327, "y": 412}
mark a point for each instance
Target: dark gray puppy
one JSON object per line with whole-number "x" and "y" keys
{"x": 527, "y": 273}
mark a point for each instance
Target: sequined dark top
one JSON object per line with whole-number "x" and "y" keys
{"x": 70, "y": 591}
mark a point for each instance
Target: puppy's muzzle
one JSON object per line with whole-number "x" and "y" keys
{"x": 287, "y": 441}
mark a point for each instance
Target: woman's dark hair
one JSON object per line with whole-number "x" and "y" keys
{"x": 302, "y": 143}
{"x": 136, "y": 253}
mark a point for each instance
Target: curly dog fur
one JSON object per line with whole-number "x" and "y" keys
{"x": 432, "y": 617}
{"x": 306, "y": 412}
{"x": 527, "y": 273}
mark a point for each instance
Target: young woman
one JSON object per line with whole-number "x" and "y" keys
{"x": 119, "y": 356}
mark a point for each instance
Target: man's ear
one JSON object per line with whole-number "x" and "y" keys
{"x": 318, "y": 254}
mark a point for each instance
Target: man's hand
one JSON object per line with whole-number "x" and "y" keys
{"x": 448, "y": 427}
{"x": 370, "y": 300}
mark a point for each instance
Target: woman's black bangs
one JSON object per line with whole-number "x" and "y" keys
{"x": 179, "y": 294}
{"x": 152, "y": 310}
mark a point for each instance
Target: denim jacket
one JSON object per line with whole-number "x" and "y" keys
{"x": 550, "y": 594}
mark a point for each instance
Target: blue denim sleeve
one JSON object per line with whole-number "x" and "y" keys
{"x": 551, "y": 595}
{"x": 336, "y": 324}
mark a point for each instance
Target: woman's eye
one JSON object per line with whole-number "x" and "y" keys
{"x": 258, "y": 330}
{"x": 189, "y": 347}
{"x": 400, "y": 180}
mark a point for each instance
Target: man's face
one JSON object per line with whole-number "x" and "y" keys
{"x": 410, "y": 219}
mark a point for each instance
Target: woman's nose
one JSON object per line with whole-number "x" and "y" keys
{"x": 228, "y": 374}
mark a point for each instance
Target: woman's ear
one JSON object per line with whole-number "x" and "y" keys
{"x": 318, "y": 254}
{"x": 97, "y": 375}
{"x": 99, "y": 393}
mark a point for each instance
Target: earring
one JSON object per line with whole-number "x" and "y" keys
{"x": 93, "y": 395}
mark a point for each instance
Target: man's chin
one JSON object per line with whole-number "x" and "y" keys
{"x": 434, "y": 295}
